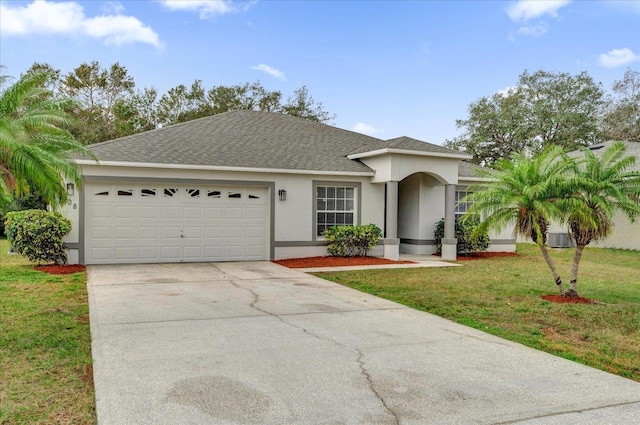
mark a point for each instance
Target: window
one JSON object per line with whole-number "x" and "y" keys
{"x": 125, "y": 192}
{"x": 170, "y": 192}
{"x": 461, "y": 207}
{"x": 194, "y": 193}
{"x": 234, "y": 195}
{"x": 335, "y": 206}
{"x": 213, "y": 193}
{"x": 148, "y": 192}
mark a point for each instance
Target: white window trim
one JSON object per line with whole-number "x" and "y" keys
{"x": 357, "y": 187}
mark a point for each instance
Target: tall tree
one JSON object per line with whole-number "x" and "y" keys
{"x": 35, "y": 147}
{"x": 522, "y": 190}
{"x": 601, "y": 184}
{"x": 543, "y": 109}
{"x": 621, "y": 120}
{"x": 96, "y": 92}
{"x": 302, "y": 105}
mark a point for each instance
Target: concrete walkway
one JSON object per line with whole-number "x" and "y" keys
{"x": 257, "y": 343}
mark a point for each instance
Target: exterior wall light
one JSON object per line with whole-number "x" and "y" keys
{"x": 71, "y": 189}
{"x": 282, "y": 195}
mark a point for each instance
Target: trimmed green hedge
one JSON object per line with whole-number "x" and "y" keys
{"x": 350, "y": 241}
{"x": 38, "y": 235}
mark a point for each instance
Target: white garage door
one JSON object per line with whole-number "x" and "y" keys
{"x": 149, "y": 223}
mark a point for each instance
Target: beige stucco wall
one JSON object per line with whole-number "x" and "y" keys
{"x": 293, "y": 218}
{"x": 421, "y": 205}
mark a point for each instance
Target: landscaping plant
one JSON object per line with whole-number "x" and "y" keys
{"x": 469, "y": 238}
{"x": 38, "y": 235}
{"x": 349, "y": 241}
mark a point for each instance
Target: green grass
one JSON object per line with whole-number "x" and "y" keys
{"x": 502, "y": 296}
{"x": 45, "y": 346}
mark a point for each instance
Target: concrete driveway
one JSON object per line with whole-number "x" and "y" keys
{"x": 257, "y": 343}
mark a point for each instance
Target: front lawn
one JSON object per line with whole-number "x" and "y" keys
{"x": 45, "y": 346}
{"x": 502, "y": 296}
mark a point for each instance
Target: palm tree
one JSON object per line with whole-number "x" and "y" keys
{"x": 600, "y": 186}
{"x": 523, "y": 191}
{"x": 35, "y": 147}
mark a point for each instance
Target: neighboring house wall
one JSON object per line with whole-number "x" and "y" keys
{"x": 625, "y": 235}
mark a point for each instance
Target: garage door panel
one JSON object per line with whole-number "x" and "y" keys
{"x": 101, "y": 211}
{"x": 213, "y": 252}
{"x": 193, "y": 212}
{"x": 170, "y": 223}
{"x": 126, "y": 212}
{"x": 193, "y": 232}
{"x": 255, "y": 213}
{"x": 125, "y": 232}
{"x": 171, "y": 212}
{"x": 213, "y": 232}
{"x": 234, "y": 213}
{"x": 253, "y": 232}
{"x": 234, "y": 252}
{"x": 148, "y": 252}
{"x": 171, "y": 253}
{"x": 233, "y": 232}
{"x": 255, "y": 251}
{"x": 101, "y": 232}
{"x": 101, "y": 254}
{"x": 213, "y": 213}
{"x": 148, "y": 232}
{"x": 124, "y": 252}
{"x": 148, "y": 212}
{"x": 193, "y": 252}
{"x": 171, "y": 232}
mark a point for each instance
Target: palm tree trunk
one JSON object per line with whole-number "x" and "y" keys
{"x": 554, "y": 272}
{"x": 573, "y": 290}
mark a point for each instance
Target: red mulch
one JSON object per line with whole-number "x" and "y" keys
{"x": 61, "y": 269}
{"x": 557, "y": 298}
{"x": 483, "y": 255}
{"x": 296, "y": 263}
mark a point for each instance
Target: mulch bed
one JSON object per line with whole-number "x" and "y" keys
{"x": 557, "y": 298}
{"x": 296, "y": 263}
{"x": 483, "y": 255}
{"x": 61, "y": 269}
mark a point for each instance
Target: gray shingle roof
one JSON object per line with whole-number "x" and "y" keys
{"x": 243, "y": 139}
{"x": 409, "y": 144}
{"x": 251, "y": 139}
{"x": 633, "y": 149}
{"x": 466, "y": 169}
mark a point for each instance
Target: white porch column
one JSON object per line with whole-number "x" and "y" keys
{"x": 391, "y": 241}
{"x": 449, "y": 242}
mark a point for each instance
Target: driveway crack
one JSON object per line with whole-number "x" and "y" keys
{"x": 359, "y": 360}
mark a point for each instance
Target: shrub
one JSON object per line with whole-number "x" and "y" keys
{"x": 38, "y": 235}
{"x": 468, "y": 240}
{"x": 349, "y": 241}
{"x": 32, "y": 201}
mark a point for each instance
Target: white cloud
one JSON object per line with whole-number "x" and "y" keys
{"x": 532, "y": 31}
{"x": 365, "y": 129}
{"x": 617, "y": 57}
{"x": 205, "y": 8}
{"x": 507, "y": 91}
{"x": 525, "y": 10}
{"x": 43, "y": 17}
{"x": 112, "y": 8}
{"x": 271, "y": 71}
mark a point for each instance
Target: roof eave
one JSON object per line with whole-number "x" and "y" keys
{"x": 223, "y": 168}
{"x": 385, "y": 151}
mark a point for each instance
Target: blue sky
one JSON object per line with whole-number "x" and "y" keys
{"x": 386, "y": 68}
